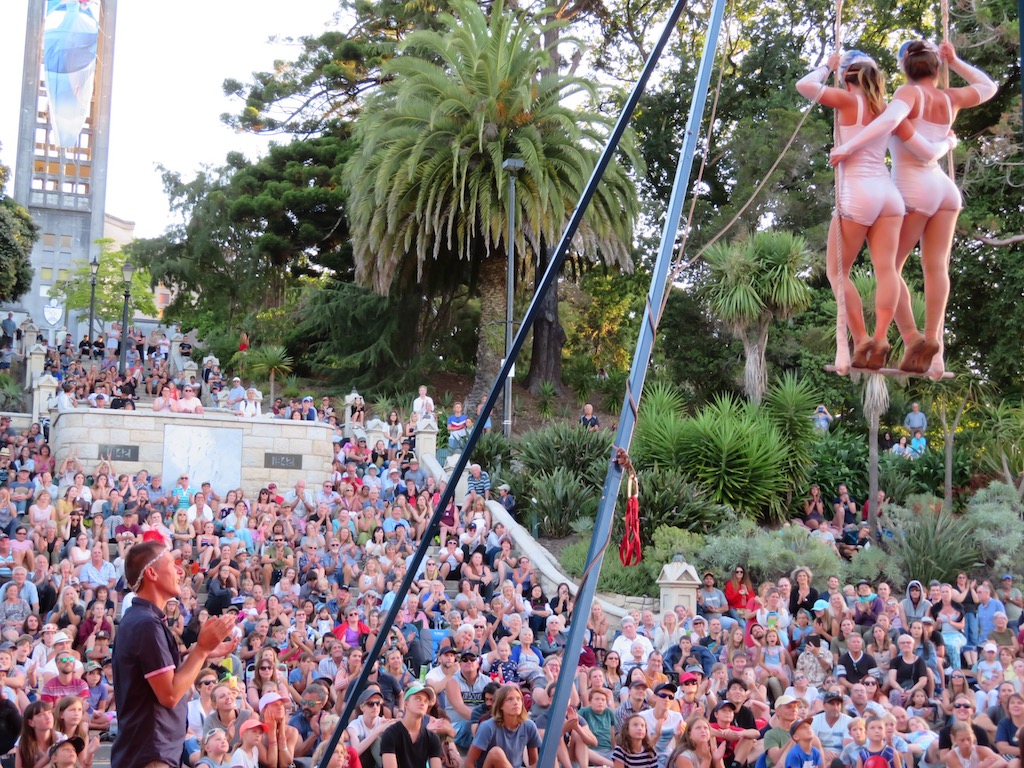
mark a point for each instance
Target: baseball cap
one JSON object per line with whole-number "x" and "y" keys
{"x": 641, "y": 683}
{"x": 1007, "y": 577}
{"x": 504, "y": 487}
{"x": 991, "y": 647}
{"x": 447, "y": 649}
{"x": 666, "y": 688}
{"x": 795, "y": 726}
{"x": 820, "y": 605}
{"x": 419, "y": 687}
{"x": 76, "y": 742}
{"x": 92, "y": 666}
{"x": 784, "y": 700}
{"x": 368, "y": 694}
{"x": 694, "y": 669}
{"x": 251, "y": 723}
{"x": 725, "y": 703}
{"x": 269, "y": 698}
{"x": 687, "y": 677}
{"x": 307, "y": 399}
{"x": 833, "y": 696}
{"x": 236, "y": 379}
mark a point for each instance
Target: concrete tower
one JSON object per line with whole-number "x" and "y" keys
{"x": 64, "y": 137}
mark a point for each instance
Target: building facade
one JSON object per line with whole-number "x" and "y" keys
{"x": 63, "y": 140}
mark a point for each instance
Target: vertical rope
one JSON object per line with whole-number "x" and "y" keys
{"x": 841, "y": 274}
{"x": 950, "y": 170}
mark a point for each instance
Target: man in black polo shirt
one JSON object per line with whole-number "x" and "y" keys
{"x": 855, "y": 664}
{"x": 149, "y": 684}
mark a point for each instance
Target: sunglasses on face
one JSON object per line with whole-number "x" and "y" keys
{"x": 962, "y": 706}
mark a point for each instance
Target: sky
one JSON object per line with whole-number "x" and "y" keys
{"x": 170, "y": 61}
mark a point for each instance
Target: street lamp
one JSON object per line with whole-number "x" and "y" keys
{"x": 512, "y": 166}
{"x": 126, "y": 272}
{"x": 94, "y": 267}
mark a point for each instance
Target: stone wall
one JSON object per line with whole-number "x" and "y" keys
{"x": 218, "y": 447}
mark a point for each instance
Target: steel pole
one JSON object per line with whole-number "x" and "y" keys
{"x": 634, "y": 387}
{"x": 92, "y": 311}
{"x": 122, "y": 366}
{"x": 545, "y": 284}
{"x": 510, "y": 282}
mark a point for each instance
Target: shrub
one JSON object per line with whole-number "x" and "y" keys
{"x": 994, "y": 516}
{"x": 492, "y": 452}
{"x": 546, "y": 395}
{"x": 875, "y": 564}
{"x": 788, "y": 403}
{"x": 559, "y": 496}
{"x": 667, "y": 499}
{"x": 736, "y": 452}
{"x": 840, "y": 456}
{"x": 615, "y": 577}
{"x": 661, "y": 399}
{"x": 582, "y": 453}
{"x": 928, "y": 473}
{"x": 931, "y": 543}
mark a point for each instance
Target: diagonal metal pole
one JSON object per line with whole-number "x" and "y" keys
{"x": 634, "y": 387}
{"x": 545, "y": 284}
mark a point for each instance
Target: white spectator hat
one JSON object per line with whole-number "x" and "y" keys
{"x": 61, "y": 637}
{"x": 269, "y": 698}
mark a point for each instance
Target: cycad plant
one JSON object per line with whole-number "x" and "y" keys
{"x": 271, "y": 360}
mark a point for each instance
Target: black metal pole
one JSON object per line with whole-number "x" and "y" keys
{"x": 123, "y": 364}
{"x": 92, "y": 311}
{"x": 545, "y": 284}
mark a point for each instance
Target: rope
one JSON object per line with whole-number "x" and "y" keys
{"x": 950, "y": 170}
{"x": 841, "y": 274}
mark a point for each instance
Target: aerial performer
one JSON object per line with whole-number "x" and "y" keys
{"x": 70, "y": 39}
{"x": 932, "y": 199}
{"x": 868, "y": 206}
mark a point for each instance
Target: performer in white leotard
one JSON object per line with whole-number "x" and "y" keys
{"x": 869, "y": 203}
{"x": 933, "y": 202}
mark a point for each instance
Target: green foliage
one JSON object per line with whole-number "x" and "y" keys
{"x": 581, "y": 453}
{"x": 840, "y": 456}
{"x": 493, "y": 452}
{"x": 874, "y": 564}
{"x": 696, "y": 349}
{"x": 615, "y": 577}
{"x": 12, "y": 394}
{"x": 928, "y": 473}
{"x": 736, "y": 452}
{"x": 608, "y": 307}
{"x": 77, "y": 290}
{"x": 546, "y": 400}
{"x": 932, "y": 543}
{"x": 291, "y": 387}
{"x": 767, "y": 554}
{"x": 270, "y": 360}
{"x": 788, "y": 404}
{"x": 661, "y": 400}
{"x": 995, "y": 517}
{"x": 559, "y": 497}
{"x": 667, "y": 499}
{"x": 894, "y": 477}
{"x": 18, "y": 233}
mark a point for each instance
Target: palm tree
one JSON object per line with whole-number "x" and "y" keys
{"x": 754, "y": 282}
{"x": 271, "y": 360}
{"x": 427, "y": 193}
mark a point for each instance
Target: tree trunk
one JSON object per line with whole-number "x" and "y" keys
{"x": 755, "y": 375}
{"x": 873, "y": 419}
{"x": 271, "y": 387}
{"x": 947, "y": 499}
{"x": 490, "y": 345}
{"x": 548, "y": 337}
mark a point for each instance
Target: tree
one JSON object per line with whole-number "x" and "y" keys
{"x": 18, "y": 233}
{"x": 752, "y": 283}
{"x": 949, "y": 402}
{"x": 270, "y": 361}
{"x": 77, "y": 289}
{"x": 427, "y": 191}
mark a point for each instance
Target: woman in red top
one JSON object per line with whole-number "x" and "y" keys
{"x": 738, "y": 592}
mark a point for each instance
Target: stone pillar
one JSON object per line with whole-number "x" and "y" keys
{"x": 28, "y": 337}
{"x": 679, "y": 585}
{"x": 426, "y": 439}
{"x": 43, "y": 391}
{"x": 175, "y": 363}
{"x": 375, "y": 430}
{"x": 350, "y": 400}
{"x": 190, "y": 369}
{"x": 34, "y": 364}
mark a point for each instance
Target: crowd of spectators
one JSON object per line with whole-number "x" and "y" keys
{"x": 796, "y": 672}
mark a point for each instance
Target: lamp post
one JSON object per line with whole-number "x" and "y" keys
{"x": 512, "y": 166}
{"x": 94, "y": 267}
{"x": 126, "y": 272}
